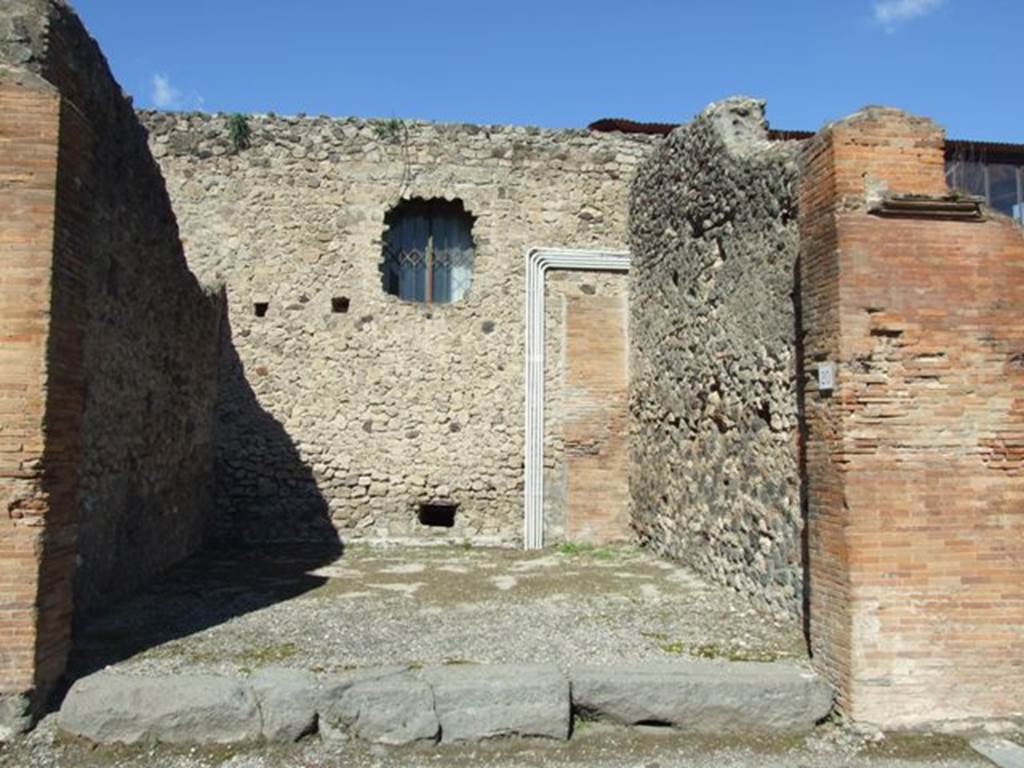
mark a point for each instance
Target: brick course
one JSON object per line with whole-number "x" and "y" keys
{"x": 914, "y": 464}
{"x": 29, "y": 127}
{"x": 596, "y": 419}
{"x": 107, "y": 367}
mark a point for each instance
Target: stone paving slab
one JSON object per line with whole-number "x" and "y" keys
{"x": 1001, "y": 752}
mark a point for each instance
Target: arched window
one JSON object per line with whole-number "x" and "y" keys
{"x": 428, "y": 251}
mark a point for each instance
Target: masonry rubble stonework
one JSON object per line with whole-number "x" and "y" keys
{"x": 909, "y": 465}
{"x": 393, "y": 403}
{"x": 716, "y": 478}
{"x": 142, "y": 413}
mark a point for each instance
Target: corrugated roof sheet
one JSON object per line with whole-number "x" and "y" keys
{"x": 991, "y": 151}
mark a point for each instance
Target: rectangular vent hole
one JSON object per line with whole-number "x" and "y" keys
{"x": 339, "y": 305}
{"x": 438, "y": 514}
{"x": 260, "y": 308}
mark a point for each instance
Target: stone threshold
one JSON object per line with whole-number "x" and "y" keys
{"x": 462, "y": 703}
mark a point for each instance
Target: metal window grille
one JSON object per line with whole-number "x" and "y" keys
{"x": 428, "y": 251}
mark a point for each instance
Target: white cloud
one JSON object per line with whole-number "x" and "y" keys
{"x": 165, "y": 95}
{"x": 891, "y": 12}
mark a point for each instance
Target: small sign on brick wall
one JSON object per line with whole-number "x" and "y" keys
{"x": 826, "y": 377}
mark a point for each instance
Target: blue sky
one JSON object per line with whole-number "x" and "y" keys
{"x": 564, "y": 63}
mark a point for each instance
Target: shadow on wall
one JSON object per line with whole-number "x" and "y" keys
{"x": 245, "y": 568}
{"x": 800, "y": 373}
{"x": 265, "y": 492}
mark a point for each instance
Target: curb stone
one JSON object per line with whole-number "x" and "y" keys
{"x": 394, "y": 710}
{"x": 480, "y": 702}
{"x": 287, "y": 699}
{"x": 109, "y": 707}
{"x": 704, "y": 696}
{"x": 466, "y": 703}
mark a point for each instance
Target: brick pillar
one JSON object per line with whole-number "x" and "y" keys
{"x": 41, "y": 318}
{"x": 915, "y": 462}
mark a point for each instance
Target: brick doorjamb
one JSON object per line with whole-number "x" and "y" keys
{"x": 538, "y": 262}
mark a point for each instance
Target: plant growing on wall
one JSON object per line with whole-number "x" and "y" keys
{"x": 239, "y": 132}
{"x": 388, "y": 130}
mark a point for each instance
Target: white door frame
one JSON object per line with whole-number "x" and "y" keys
{"x": 538, "y": 262}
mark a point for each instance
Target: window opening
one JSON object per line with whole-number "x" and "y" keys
{"x": 428, "y": 251}
{"x": 1000, "y": 181}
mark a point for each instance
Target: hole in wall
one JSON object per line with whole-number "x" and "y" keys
{"x": 888, "y": 333}
{"x": 259, "y": 308}
{"x": 438, "y": 514}
{"x": 339, "y": 304}
{"x": 675, "y": 278}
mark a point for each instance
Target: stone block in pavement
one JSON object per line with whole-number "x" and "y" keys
{"x": 393, "y": 709}
{"x": 287, "y": 699}
{"x": 478, "y": 702}
{"x": 333, "y": 686}
{"x": 15, "y": 715}
{"x": 704, "y": 696}
{"x": 109, "y": 708}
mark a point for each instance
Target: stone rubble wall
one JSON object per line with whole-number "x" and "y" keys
{"x": 348, "y": 421}
{"x": 150, "y": 348}
{"x": 131, "y": 342}
{"x": 715, "y": 475}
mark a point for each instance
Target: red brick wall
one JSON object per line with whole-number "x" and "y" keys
{"x": 41, "y": 316}
{"x": 64, "y": 400}
{"x": 915, "y": 464}
{"x": 29, "y": 125}
{"x": 596, "y": 419}
{"x": 828, "y": 606}
{"x": 109, "y": 354}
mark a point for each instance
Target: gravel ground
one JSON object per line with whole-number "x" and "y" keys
{"x": 232, "y": 612}
{"x": 596, "y": 747}
{"x": 235, "y": 612}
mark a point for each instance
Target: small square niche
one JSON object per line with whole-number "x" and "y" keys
{"x": 339, "y": 305}
{"x": 438, "y": 514}
{"x": 259, "y": 308}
